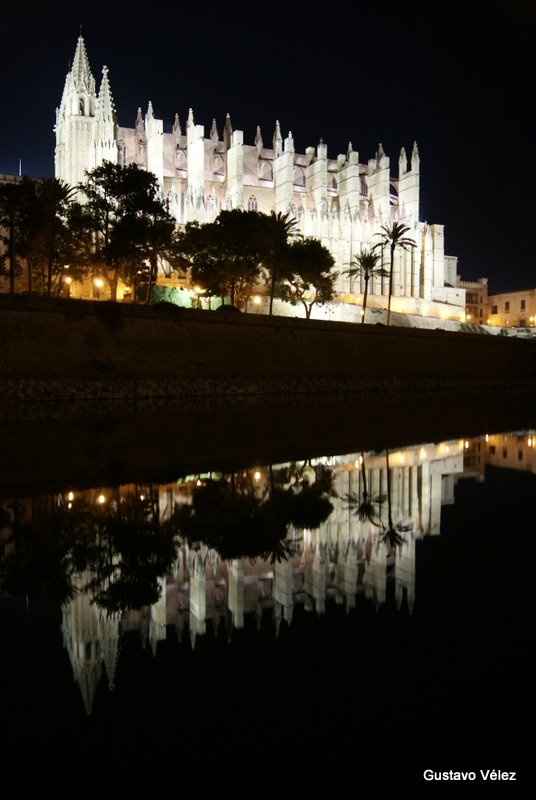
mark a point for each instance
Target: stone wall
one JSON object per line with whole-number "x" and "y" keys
{"x": 78, "y": 349}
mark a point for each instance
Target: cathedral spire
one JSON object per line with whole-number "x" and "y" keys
{"x": 105, "y": 109}
{"x": 214, "y": 131}
{"x": 227, "y": 132}
{"x": 380, "y": 153}
{"x": 402, "y": 162}
{"x": 177, "y": 126}
{"x": 415, "y": 159}
{"x": 80, "y": 70}
{"x": 258, "y": 140}
{"x": 140, "y": 125}
{"x": 150, "y": 114}
{"x": 190, "y": 120}
{"x": 289, "y": 143}
{"x": 277, "y": 141}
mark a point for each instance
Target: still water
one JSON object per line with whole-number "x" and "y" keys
{"x": 349, "y": 616}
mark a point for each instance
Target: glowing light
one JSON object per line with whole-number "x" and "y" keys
{"x": 70, "y": 496}
{"x": 198, "y": 290}
{"x": 69, "y": 505}
{"x": 68, "y": 280}
{"x": 142, "y": 497}
{"x": 99, "y": 283}
{"x": 101, "y": 499}
{"x": 487, "y": 438}
{"x": 530, "y": 441}
{"x": 257, "y": 300}
{"x": 467, "y": 445}
{"x": 360, "y": 459}
{"x": 422, "y": 452}
{"x": 198, "y": 482}
{"x": 257, "y": 475}
{"x": 401, "y": 459}
{"x": 447, "y": 449}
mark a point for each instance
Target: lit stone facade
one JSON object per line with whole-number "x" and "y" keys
{"x": 342, "y": 201}
{"x": 513, "y": 309}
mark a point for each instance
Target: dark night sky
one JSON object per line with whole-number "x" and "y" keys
{"x": 458, "y": 77}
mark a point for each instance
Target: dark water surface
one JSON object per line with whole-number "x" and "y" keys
{"x": 272, "y": 616}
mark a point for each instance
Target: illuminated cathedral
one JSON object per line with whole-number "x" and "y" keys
{"x": 341, "y": 201}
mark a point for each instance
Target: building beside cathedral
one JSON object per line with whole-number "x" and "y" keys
{"x": 341, "y": 201}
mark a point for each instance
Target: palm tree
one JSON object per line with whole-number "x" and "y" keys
{"x": 15, "y": 202}
{"x": 53, "y": 199}
{"x": 366, "y": 265}
{"x": 394, "y": 236}
{"x": 272, "y": 238}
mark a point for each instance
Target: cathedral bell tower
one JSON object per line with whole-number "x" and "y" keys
{"x": 86, "y": 129}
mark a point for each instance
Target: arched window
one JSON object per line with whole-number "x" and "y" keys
{"x": 252, "y": 203}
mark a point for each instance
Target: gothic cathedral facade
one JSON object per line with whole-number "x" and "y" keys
{"x": 340, "y": 201}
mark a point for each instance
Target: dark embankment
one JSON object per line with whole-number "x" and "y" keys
{"x": 63, "y": 349}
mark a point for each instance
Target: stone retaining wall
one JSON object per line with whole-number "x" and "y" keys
{"x": 77, "y": 349}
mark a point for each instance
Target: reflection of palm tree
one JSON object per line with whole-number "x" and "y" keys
{"x": 365, "y": 507}
{"x": 366, "y": 265}
{"x": 391, "y": 535}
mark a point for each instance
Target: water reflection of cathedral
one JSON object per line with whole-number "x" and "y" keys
{"x": 347, "y": 556}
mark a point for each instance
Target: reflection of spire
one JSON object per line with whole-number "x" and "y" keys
{"x": 157, "y": 621}
{"x": 198, "y": 599}
{"x": 283, "y": 587}
{"x": 405, "y": 572}
{"x": 82, "y": 641}
{"x": 109, "y": 642}
{"x": 375, "y": 576}
{"x": 236, "y": 591}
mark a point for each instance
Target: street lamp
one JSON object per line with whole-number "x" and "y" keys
{"x": 198, "y": 291}
{"x": 99, "y": 283}
{"x": 257, "y": 302}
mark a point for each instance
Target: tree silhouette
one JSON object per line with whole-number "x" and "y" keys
{"x": 305, "y": 274}
{"x": 16, "y": 200}
{"x": 127, "y": 224}
{"x": 222, "y": 256}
